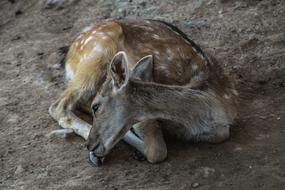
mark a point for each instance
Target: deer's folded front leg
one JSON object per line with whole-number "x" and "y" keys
{"x": 72, "y": 124}
{"x": 150, "y": 141}
{"x": 62, "y": 110}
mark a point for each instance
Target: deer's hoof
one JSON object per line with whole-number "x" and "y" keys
{"x": 139, "y": 156}
{"x": 94, "y": 160}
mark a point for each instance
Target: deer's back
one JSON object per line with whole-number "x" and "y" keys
{"x": 177, "y": 59}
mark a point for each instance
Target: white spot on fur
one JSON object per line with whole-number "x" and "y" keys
{"x": 93, "y": 32}
{"x": 194, "y": 67}
{"x": 226, "y": 96}
{"x": 170, "y": 54}
{"x": 98, "y": 48}
{"x": 101, "y": 33}
{"x": 82, "y": 58}
{"x": 156, "y": 52}
{"x": 155, "y": 36}
{"x": 145, "y": 27}
{"x": 169, "y": 51}
{"x": 104, "y": 37}
{"x": 88, "y": 39}
{"x": 235, "y": 92}
{"x": 110, "y": 33}
{"x": 68, "y": 72}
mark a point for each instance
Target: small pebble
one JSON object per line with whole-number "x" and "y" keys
{"x": 19, "y": 169}
{"x": 195, "y": 185}
{"x": 56, "y": 66}
{"x": 262, "y": 117}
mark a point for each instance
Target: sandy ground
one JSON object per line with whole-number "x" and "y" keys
{"x": 247, "y": 36}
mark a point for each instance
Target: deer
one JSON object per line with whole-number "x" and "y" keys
{"x": 139, "y": 78}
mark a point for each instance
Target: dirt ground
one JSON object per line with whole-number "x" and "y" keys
{"x": 248, "y": 38}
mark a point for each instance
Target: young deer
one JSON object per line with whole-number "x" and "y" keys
{"x": 176, "y": 82}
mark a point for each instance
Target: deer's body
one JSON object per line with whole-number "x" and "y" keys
{"x": 177, "y": 60}
{"x": 184, "y": 86}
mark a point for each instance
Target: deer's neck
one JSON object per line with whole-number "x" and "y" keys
{"x": 175, "y": 103}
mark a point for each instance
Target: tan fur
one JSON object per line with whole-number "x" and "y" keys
{"x": 88, "y": 61}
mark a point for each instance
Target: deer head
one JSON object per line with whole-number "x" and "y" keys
{"x": 115, "y": 109}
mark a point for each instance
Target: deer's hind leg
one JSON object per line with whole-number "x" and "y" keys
{"x": 63, "y": 112}
{"x": 212, "y": 133}
{"x": 79, "y": 91}
{"x": 148, "y": 140}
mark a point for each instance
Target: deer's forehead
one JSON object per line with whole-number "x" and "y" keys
{"x": 106, "y": 89}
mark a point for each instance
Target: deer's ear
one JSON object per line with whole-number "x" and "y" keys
{"x": 143, "y": 69}
{"x": 119, "y": 70}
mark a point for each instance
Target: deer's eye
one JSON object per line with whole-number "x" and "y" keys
{"x": 95, "y": 107}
